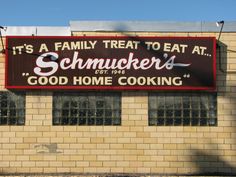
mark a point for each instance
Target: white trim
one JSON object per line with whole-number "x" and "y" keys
{"x": 53, "y": 31}
{"x": 35, "y": 31}
{"x": 149, "y": 26}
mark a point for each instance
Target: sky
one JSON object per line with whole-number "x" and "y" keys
{"x": 61, "y": 12}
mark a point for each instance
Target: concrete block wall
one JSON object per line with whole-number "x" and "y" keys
{"x": 133, "y": 147}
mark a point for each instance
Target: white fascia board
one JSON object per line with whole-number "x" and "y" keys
{"x": 19, "y": 31}
{"x": 151, "y": 26}
{"x": 35, "y": 31}
{"x": 53, "y": 31}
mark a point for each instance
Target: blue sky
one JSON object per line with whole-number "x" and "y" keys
{"x": 60, "y": 12}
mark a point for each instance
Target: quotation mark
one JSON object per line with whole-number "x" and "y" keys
{"x": 25, "y": 74}
{"x": 186, "y": 75}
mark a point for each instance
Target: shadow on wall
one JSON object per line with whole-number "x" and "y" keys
{"x": 209, "y": 163}
{"x": 221, "y": 64}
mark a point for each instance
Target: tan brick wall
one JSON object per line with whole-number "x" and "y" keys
{"x": 133, "y": 147}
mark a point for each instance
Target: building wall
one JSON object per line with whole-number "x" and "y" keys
{"x": 133, "y": 147}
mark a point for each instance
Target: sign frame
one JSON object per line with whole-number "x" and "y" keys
{"x": 153, "y": 88}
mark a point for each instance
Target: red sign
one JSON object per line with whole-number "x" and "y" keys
{"x": 112, "y": 63}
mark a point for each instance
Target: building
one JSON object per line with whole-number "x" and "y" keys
{"x": 144, "y": 124}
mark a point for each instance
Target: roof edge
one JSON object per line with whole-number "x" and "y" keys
{"x": 36, "y": 31}
{"x": 151, "y": 26}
